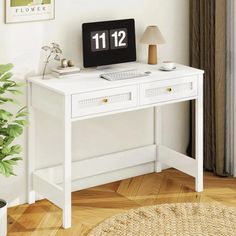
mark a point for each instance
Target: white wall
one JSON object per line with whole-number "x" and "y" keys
{"x": 21, "y": 43}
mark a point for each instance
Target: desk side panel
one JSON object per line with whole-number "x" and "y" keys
{"x": 47, "y": 101}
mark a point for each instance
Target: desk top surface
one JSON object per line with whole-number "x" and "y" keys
{"x": 89, "y": 80}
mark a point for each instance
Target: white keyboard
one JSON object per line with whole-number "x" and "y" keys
{"x": 121, "y": 75}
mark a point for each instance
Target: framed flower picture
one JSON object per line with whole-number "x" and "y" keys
{"x": 29, "y": 10}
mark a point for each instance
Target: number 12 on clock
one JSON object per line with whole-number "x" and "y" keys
{"x": 112, "y": 39}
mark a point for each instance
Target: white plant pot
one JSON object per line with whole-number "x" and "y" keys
{"x": 37, "y": 2}
{"x": 3, "y": 218}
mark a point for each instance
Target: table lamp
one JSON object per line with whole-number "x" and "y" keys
{"x": 152, "y": 36}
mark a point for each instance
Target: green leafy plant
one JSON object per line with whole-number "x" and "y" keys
{"x": 11, "y": 124}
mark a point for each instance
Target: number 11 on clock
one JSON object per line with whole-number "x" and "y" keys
{"x": 97, "y": 38}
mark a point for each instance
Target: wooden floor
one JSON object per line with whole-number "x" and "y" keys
{"x": 93, "y": 205}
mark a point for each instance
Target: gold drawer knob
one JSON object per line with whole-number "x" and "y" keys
{"x": 169, "y": 89}
{"x": 105, "y": 100}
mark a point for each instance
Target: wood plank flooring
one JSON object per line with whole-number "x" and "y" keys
{"x": 93, "y": 205}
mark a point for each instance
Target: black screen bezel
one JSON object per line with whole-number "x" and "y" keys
{"x": 108, "y": 57}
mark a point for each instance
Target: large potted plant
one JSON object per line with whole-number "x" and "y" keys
{"x": 11, "y": 126}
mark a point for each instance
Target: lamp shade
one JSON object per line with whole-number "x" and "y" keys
{"x": 152, "y": 36}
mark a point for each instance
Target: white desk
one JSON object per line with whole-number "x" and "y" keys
{"x": 87, "y": 96}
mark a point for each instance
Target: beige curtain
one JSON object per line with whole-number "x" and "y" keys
{"x": 208, "y": 52}
{"x": 230, "y": 88}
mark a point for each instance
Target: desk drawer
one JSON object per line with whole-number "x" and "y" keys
{"x": 104, "y": 101}
{"x": 167, "y": 90}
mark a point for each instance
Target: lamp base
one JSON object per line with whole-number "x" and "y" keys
{"x": 152, "y": 55}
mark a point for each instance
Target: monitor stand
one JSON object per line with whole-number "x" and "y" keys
{"x": 117, "y": 67}
{"x": 108, "y": 67}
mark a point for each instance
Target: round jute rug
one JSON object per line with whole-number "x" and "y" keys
{"x": 171, "y": 219}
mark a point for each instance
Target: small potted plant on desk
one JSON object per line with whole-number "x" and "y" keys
{"x": 11, "y": 126}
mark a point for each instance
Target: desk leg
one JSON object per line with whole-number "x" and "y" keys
{"x": 199, "y": 137}
{"x": 158, "y": 135}
{"x": 67, "y": 165}
{"x": 31, "y": 147}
